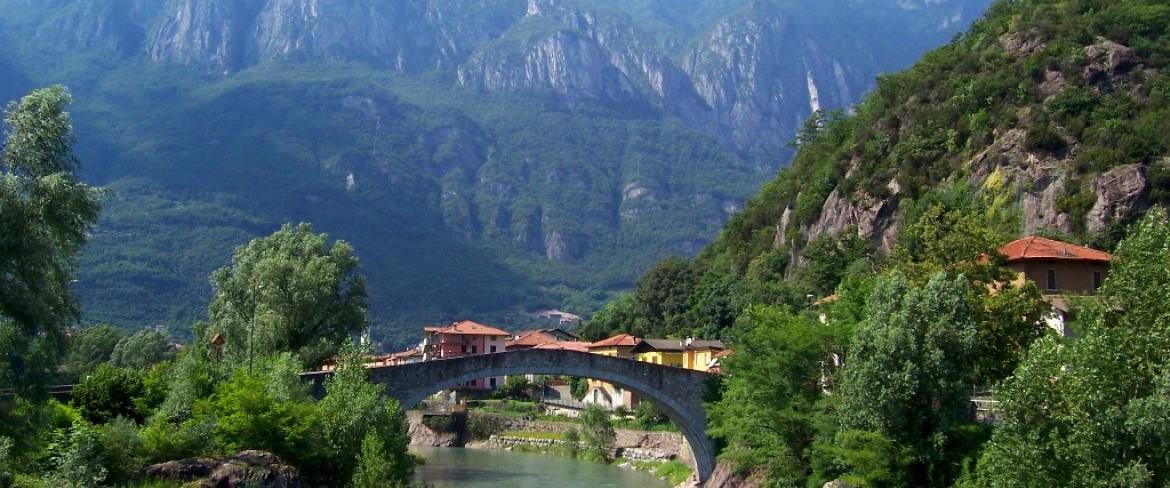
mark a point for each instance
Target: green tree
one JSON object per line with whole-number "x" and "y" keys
{"x": 663, "y": 295}
{"x": 648, "y": 416}
{"x": 88, "y": 348}
{"x": 290, "y": 291}
{"x": 353, "y": 409}
{"x": 248, "y": 415}
{"x": 143, "y": 350}
{"x": 108, "y": 393}
{"x": 907, "y": 375}
{"x": 772, "y": 384}
{"x": 578, "y": 387}
{"x": 1095, "y": 411}
{"x": 45, "y": 213}
{"x": 597, "y": 430}
{"x": 377, "y": 466}
{"x": 619, "y": 315}
{"x": 515, "y": 387}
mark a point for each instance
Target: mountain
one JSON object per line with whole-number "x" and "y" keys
{"x": 1048, "y": 116}
{"x": 485, "y": 157}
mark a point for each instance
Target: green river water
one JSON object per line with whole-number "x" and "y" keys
{"x": 491, "y": 468}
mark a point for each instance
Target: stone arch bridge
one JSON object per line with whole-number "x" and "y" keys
{"x": 678, "y": 392}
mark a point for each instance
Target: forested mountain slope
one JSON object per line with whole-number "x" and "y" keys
{"x": 1048, "y": 115}
{"x": 483, "y": 157}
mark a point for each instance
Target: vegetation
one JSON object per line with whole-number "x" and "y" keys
{"x": 597, "y": 431}
{"x": 138, "y": 402}
{"x": 873, "y": 386}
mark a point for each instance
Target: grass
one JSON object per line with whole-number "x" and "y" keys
{"x": 674, "y": 472}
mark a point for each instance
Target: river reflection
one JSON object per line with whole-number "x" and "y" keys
{"x": 490, "y": 468}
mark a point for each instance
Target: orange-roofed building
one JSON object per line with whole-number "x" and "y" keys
{"x": 464, "y": 338}
{"x": 607, "y": 394}
{"x": 619, "y": 346}
{"x": 534, "y": 338}
{"x": 1056, "y": 267}
{"x": 565, "y": 346}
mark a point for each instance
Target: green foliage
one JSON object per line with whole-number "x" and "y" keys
{"x": 482, "y": 427}
{"x": 597, "y": 431}
{"x": 45, "y": 216}
{"x": 907, "y": 376}
{"x": 377, "y": 466}
{"x": 248, "y": 416}
{"x": 142, "y": 350}
{"x": 1092, "y": 411}
{"x": 88, "y": 348}
{"x": 515, "y": 387}
{"x": 290, "y": 291}
{"x": 109, "y": 393}
{"x": 648, "y": 416}
{"x": 766, "y": 412}
{"x": 352, "y": 410}
{"x": 662, "y": 296}
{"x": 619, "y": 315}
{"x": 578, "y": 387}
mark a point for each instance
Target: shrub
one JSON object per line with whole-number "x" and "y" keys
{"x": 484, "y": 426}
{"x": 109, "y": 393}
{"x": 598, "y": 431}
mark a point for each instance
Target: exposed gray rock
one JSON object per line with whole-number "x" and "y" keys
{"x": 1121, "y": 193}
{"x": 563, "y": 247}
{"x": 248, "y": 468}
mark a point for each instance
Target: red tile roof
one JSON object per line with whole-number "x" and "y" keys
{"x": 532, "y": 338}
{"x": 1039, "y": 248}
{"x": 565, "y": 346}
{"x": 468, "y": 327}
{"x": 616, "y": 341}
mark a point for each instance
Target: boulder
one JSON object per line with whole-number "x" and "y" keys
{"x": 247, "y": 468}
{"x": 1121, "y": 193}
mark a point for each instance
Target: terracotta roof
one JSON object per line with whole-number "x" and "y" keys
{"x": 1039, "y": 248}
{"x": 535, "y": 338}
{"x": 829, "y": 299}
{"x": 468, "y": 327}
{"x": 616, "y": 341}
{"x": 565, "y": 346}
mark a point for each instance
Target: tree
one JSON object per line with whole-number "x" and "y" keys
{"x": 1095, "y": 411}
{"x": 619, "y": 315}
{"x": 142, "y": 350}
{"x": 598, "y": 431}
{"x": 290, "y": 291}
{"x": 352, "y": 410}
{"x": 45, "y": 213}
{"x": 88, "y": 348}
{"x": 109, "y": 393}
{"x": 515, "y": 387}
{"x": 578, "y": 387}
{"x": 907, "y": 376}
{"x": 772, "y": 384}
{"x": 663, "y": 295}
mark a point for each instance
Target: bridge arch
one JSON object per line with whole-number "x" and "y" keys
{"x": 677, "y": 392}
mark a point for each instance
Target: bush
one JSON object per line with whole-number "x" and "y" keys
{"x": 439, "y": 423}
{"x": 378, "y": 468}
{"x": 481, "y": 427}
{"x": 599, "y": 433}
{"x": 648, "y": 416}
{"x": 109, "y": 393}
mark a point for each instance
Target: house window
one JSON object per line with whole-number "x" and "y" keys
{"x": 475, "y": 349}
{"x": 1096, "y": 280}
{"x": 492, "y": 382}
{"x": 463, "y": 349}
{"x": 493, "y": 349}
{"x": 1051, "y": 280}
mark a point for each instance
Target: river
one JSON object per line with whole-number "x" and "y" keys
{"x": 492, "y": 468}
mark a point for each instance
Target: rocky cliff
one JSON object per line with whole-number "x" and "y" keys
{"x": 747, "y": 72}
{"x": 1051, "y": 129}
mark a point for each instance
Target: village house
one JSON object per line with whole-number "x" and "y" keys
{"x": 687, "y": 353}
{"x": 604, "y": 393}
{"x": 464, "y": 338}
{"x": 533, "y": 338}
{"x": 1060, "y": 270}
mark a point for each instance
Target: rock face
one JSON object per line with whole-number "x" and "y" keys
{"x": 1121, "y": 193}
{"x": 246, "y": 469}
{"x": 749, "y": 73}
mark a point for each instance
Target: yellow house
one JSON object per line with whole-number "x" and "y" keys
{"x": 688, "y": 353}
{"x": 607, "y": 394}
